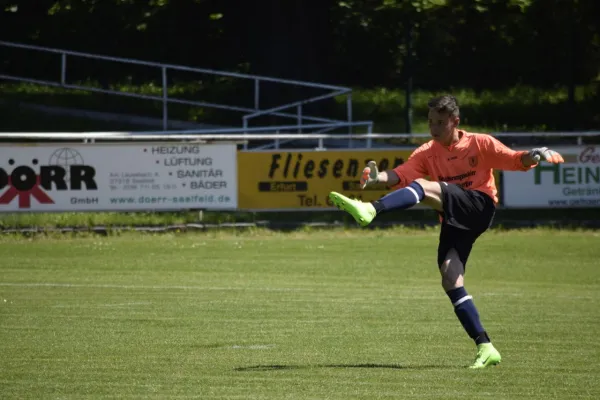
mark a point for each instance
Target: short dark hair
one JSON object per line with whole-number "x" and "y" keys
{"x": 445, "y": 104}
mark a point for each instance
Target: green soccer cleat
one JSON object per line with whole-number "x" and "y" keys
{"x": 362, "y": 212}
{"x": 487, "y": 356}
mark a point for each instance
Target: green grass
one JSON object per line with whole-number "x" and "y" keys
{"x": 516, "y": 109}
{"x": 520, "y": 108}
{"x": 16, "y": 119}
{"x": 317, "y": 315}
{"x": 82, "y": 219}
{"x": 504, "y": 217}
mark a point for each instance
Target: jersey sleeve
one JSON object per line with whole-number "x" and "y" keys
{"x": 415, "y": 167}
{"x": 499, "y": 156}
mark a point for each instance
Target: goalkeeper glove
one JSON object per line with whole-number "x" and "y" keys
{"x": 369, "y": 175}
{"x": 545, "y": 153}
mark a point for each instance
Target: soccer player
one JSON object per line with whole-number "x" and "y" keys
{"x": 461, "y": 189}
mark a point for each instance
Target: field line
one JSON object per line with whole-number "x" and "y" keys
{"x": 148, "y": 287}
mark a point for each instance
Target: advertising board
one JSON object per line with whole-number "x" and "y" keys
{"x": 296, "y": 180}
{"x": 114, "y": 177}
{"x": 576, "y": 183}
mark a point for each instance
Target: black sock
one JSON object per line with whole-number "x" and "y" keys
{"x": 467, "y": 314}
{"x": 378, "y": 206}
{"x": 482, "y": 337}
{"x": 400, "y": 199}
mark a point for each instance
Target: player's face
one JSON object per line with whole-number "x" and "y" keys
{"x": 442, "y": 126}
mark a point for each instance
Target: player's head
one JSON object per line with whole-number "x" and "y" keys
{"x": 444, "y": 116}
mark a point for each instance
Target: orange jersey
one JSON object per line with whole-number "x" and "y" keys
{"x": 469, "y": 163}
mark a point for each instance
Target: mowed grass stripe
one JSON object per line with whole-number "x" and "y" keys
{"x": 335, "y": 315}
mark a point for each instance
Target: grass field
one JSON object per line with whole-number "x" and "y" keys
{"x": 307, "y": 315}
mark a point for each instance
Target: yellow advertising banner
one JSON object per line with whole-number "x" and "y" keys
{"x": 289, "y": 180}
{"x": 303, "y": 179}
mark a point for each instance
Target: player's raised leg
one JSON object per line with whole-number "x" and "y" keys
{"x": 421, "y": 190}
{"x": 452, "y": 271}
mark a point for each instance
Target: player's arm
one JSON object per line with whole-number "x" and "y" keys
{"x": 527, "y": 159}
{"x": 541, "y": 153}
{"x": 499, "y": 156}
{"x": 372, "y": 175}
{"x": 400, "y": 176}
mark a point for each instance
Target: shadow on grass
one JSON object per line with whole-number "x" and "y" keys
{"x": 277, "y": 367}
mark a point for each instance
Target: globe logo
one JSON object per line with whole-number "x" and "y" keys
{"x": 66, "y": 157}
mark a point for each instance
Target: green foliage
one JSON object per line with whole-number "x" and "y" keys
{"x": 519, "y": 108}
{"x": 512, "y": 62}
{"x": 479, "y": 44}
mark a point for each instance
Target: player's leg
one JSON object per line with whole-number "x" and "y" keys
{"x": 453, "y": 252}
{"x": 421, "y": 190}
{"x": 467, "y": 214}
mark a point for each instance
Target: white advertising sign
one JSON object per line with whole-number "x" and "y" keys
{"x": 113, "y": 177}
{"x": 576, "y": 183}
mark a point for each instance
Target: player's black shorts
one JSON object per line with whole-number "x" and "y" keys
{"x": 467, "y": 214}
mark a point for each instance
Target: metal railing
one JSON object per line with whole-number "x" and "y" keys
{"x": 221, "y": 135}
{"x": 298, "y": 113}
